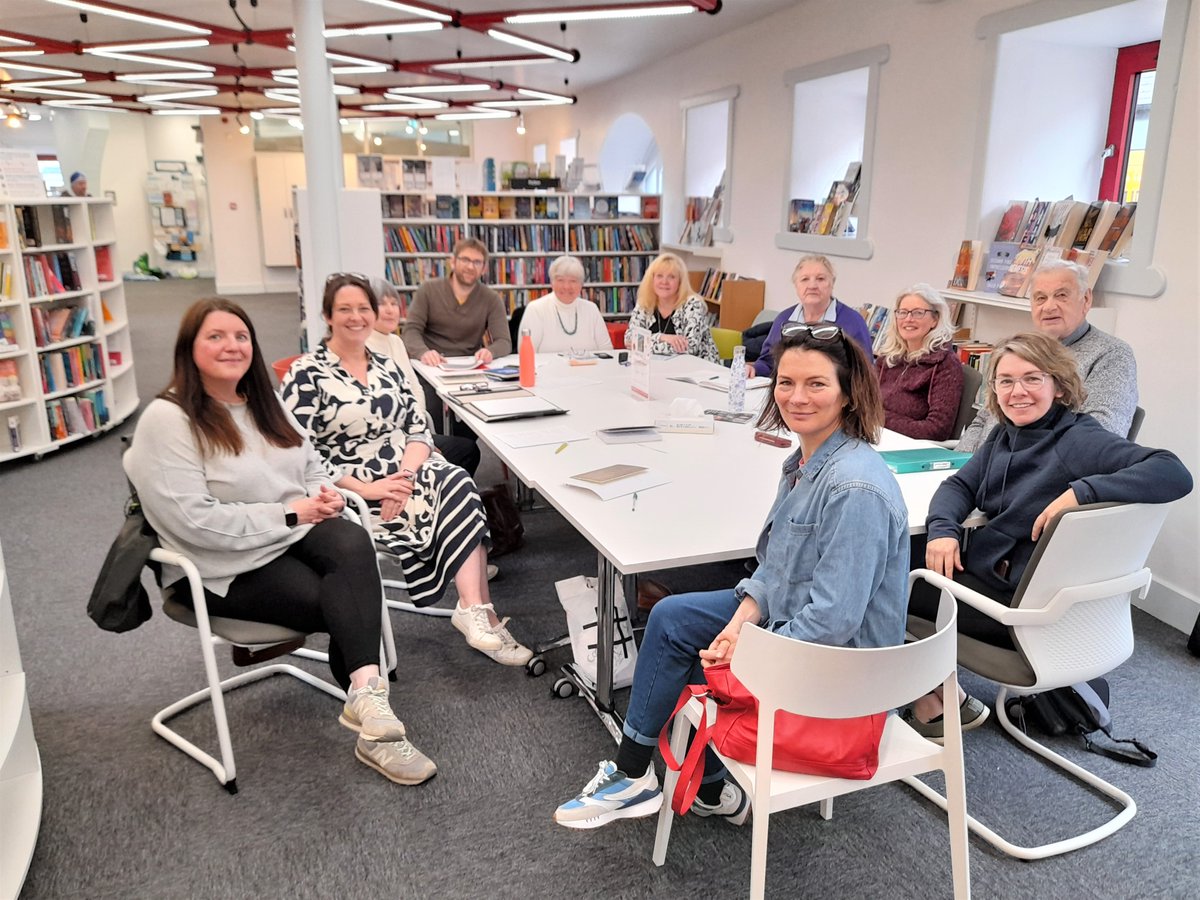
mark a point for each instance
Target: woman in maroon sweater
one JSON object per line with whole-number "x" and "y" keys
{"x": 920, "y": 376}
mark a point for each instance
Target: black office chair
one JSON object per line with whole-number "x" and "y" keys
{"x": 514, "y": 326}
{"x": 972, "y": 379}
{"x": 1136, "y": 425}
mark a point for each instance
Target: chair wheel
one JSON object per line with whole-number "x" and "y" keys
{"x": 536, "y": 667}
{"x": 563, "y": 688}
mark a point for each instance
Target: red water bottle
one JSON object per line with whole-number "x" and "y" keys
{"x": 528, "y": 376}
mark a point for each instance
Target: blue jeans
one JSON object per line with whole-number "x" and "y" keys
{"x": 680, "y": 626}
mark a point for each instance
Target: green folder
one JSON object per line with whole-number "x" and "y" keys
{"x": 929, "y": 459}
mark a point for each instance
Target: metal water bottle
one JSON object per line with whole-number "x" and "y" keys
{"x": 526, "y": 361}
{"x": 737, "y": 379}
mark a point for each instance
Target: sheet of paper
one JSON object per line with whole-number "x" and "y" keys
{"x": 624, "y": 487}
{"x": 458, "y": 363}
{"x": 539, "y": 437}
{"x": 506, "y": 406}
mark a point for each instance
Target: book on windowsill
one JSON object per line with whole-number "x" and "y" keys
{"x": 1017, "y": 279}
{"x": 1000, "y": 257}
{"x": 966, "y": 268}
{"x": 1011, "y": 221}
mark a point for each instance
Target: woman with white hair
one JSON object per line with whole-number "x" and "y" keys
{"x": 560, "y": 322}
{"x": 920, "y": 375}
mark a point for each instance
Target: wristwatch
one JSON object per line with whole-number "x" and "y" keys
{"x": 291, "y": 519}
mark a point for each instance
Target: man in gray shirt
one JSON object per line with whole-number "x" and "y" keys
{"x": 1059, "y": 302}
{"x": 457, "y": 315}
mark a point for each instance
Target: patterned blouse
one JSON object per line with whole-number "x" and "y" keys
{"x": 690, "y": 320}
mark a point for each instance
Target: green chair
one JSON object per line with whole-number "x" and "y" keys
{"x": 726, "y": 339}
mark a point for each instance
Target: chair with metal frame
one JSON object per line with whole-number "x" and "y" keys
{"x": 1069, "y": 622}
{"x": 779, "y": 670}
{"x": 252, "y": 642}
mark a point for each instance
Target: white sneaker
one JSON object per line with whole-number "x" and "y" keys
{"x": 367, "y": 712}
{"x": 475, "y": 626}
{"x": 510, "y": 653}
{"x": 733, "y": 806}
{"x": 398, "y": 761}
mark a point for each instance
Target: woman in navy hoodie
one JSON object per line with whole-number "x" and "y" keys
{"x": 1046, "y": 457}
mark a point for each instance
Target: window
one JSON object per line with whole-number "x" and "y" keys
{"x": 825, "y": 162}
{"x": 708, "y": 151}
{"x": 1128, "y": 122}
{"x": 1040, "y": 141}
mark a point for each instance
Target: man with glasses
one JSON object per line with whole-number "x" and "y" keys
{"x": 457, "y": 315}
{"x": 1059, "y": 303}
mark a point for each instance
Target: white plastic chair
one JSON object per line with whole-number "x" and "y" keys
{"x": 837, "y": 682}
{"x": 257, "y": 637}
{"x": 1069, "y": 622}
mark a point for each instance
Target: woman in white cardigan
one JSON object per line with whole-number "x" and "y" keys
{"x": 562, "y": 322}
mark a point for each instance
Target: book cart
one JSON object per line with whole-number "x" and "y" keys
{"x": 66, "y": 359}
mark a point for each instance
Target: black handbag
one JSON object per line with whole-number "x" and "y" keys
{"x": 503, "y": 519}
{"x": 119, "y": 602}
{"x": 1080, "y": 709}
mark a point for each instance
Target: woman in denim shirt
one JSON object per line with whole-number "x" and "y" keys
{"x": 832, "y": 569}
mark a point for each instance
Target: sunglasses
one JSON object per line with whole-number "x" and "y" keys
{"x": 825, "y": 334}
{"x": 349, "y": 278}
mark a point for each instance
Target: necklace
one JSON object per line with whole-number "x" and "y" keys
{"x": 563, "y": 325}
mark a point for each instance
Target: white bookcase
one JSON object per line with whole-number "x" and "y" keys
{"x": 615, "y": 236}
{"x": 20, "y": 765}
{"x": 79, "y": 382}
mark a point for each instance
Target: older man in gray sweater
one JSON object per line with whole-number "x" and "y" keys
{"x": 1059, "y": 302}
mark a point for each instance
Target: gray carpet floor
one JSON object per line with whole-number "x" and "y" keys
{"x": 126, "y": 815}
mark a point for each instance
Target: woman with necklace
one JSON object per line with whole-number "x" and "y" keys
{"x": 559, "y": 322}
{"x": 364, "y": 420}
{"x": 675, "y": 317}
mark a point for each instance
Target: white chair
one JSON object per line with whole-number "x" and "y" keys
{"x": 836, "y": 682}
{"x": 258, "y": 638}
{"x": 1069, "y": 622}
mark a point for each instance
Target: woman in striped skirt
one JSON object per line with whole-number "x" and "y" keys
{"x": 362, "y": 417}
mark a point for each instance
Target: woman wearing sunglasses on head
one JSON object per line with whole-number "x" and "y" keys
{"x": 1045, "y": 457}
{"x": 832, "y": 569}
{"x": 365, "y": 422}
{"x": 920, "y": 377}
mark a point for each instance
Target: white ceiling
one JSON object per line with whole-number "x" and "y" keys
{"x": 608, "y": 48}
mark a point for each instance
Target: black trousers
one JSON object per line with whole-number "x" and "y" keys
{"x": 326, "y": 582}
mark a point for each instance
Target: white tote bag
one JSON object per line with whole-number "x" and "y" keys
{"x": 578, "y": 598}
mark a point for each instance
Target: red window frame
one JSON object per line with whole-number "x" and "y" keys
{"x": 1131, "y": 61}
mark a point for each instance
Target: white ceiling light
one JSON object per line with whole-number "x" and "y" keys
{"x": 49, "y": 82}
{"x": 476, "y": 114}
{"x": 395, "y": 107}
{"x": 438, "y": 88}
{"x": 487, "y": 63}
{"x": 5, "y": 39}
{"x": 55, "y": 92}
{"x": 584, "y": 15}
{"x": 43, "y": 70}
{"x": 282, "y": 96}
{"x": 537, "y": 46}
{"x": 187, "y": 111}
{"x": 414, "y": 10}
{"x": 521, "y": 124}
{"x": 545, "y": 95}
{"x": 82, "y": 104}
{"x": 178, "y": 95}
{"x": 13, "y": 54}
{"x": 393, "y": 28}
{"x": 516, "y": 104}
{"x": 155, "y": 61}
{"x": 131, "y": 16}
{"x": 161, "y": 77}
{"x": 180, "y": 44}
{"x": 256, "y": 115}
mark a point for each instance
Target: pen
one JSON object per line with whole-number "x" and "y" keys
{"x": 634, "y": 507}
{"x": 561, "y": 447}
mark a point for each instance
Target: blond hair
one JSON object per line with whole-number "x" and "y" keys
{"x": 647, "y": 300}
{"x": 893, "y": 349}
{"x": 1050, "y": 356}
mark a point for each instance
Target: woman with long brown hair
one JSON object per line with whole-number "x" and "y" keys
{"x": 226, "y": 478}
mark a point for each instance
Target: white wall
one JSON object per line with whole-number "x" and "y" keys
{"x": 929, "y": 97}
{"x": 829, "y": 118}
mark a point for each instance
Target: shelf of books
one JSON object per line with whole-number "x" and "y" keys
{"x": 615, "y": 236}
{"x": 66, "y": 361}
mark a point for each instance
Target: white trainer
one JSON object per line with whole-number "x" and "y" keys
{"x": 511, "y": 653}
{"x": 475, "y": 626}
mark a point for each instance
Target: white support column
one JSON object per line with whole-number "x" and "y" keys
{"x": 322, "y": 160}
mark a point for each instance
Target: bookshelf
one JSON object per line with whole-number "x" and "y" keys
{"x": 737, "y": 302}
{"x": 66, "y": 368}
{"x": 615, "y": 236}
{"x": 20, "y": 765}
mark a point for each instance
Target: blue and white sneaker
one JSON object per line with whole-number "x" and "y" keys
{"x": 733, "y": 807}
{"x": 611, "y": 795}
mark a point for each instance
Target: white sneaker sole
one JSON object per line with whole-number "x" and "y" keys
{"x": 604, "y": 816}
{"x": 397, "y": 733}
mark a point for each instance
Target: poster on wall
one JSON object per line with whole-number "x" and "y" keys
{"x": 174, "y": 216}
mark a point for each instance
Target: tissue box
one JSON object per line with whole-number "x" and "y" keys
{"x": 686, "y": 425}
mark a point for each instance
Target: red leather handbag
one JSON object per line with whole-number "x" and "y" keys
{"x": 840, "y": 748}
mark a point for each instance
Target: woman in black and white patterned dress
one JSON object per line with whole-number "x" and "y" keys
{"x": 363, "y": 418}
{"x": 675, "y": 317}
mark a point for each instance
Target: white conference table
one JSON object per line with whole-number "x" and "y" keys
{"x": 720, "y": 490}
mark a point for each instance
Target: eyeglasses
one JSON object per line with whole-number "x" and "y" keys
{"x": 474, "y": 263}
{"x": 825, "y": 334}
{"x": 917, "y": 314}
{"x": 1031, "y": 381}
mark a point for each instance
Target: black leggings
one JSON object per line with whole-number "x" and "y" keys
{"x": 326, "y": 582}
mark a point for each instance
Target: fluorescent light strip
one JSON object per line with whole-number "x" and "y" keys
{"x": 131, "y": 16}
{"x": 415, "y": 10}
{"x": 281, "y": 96}
{"x": 163, "y": 78}
{"x": 394, "y": 28}
{"x": 78, "y": 95}
{"x": 12, "y": 40}
{"x": 156, "y": 61}
{"x": 43, "y": 70}
{"x": 488, "y": 63}
{"x": 529, "y": 44}
{"x": 438, "y": 88}
{"x": 180, "y": 44}
{"x": 192, "y": 111}
{"x": 480, "y": 114}
{"x": 544, "y": 95}
{"x": 179, "y": 95}
{"x": 395, "y": 107}
{"x": 504, "y": 104}
{"x": 80, "y": 104}
{"x": 584, "y": 15}
{"x": 13, "y": 54}
{"x": 50, "y": 82}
